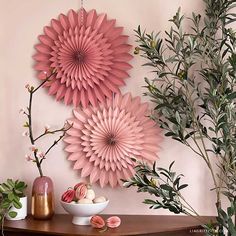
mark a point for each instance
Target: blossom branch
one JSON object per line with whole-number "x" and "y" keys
{"x": 56, "y": 141}
{"x": 46, "y": 80}
{"x": 38, "y": 163}
{"x": 38, "y": 158}
{"x": 50, "y": 132}
{"x": 31, "y": 130}
{"x": 32, "y": 90}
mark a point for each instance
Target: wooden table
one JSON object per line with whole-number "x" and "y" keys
{"x": 130, "y": 225}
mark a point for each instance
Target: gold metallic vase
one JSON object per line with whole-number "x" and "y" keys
{"x": 42, "y": 205}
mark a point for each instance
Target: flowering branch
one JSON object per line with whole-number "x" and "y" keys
{"x": 58, "y": 140}
{"x": 40, "y": 156}
{"x": 48, "y": 132}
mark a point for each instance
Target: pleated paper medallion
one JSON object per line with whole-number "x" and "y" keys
{"x": 89, "y": 54}
{"x": 105, "y": 139}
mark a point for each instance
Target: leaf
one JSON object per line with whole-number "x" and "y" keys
{"x": 6, "y": 186}
{"x": 220, "y": 220}
{"x": 16, "y": 198}
{"x": 157, "y": 206}
{"x": 189, "y": 134}
{"x": 12, "y": 214}
{"x": 174, "y": 209}
{"x": 228, "y": 194}
{"x": 230, "y": 211}
{"x": 166, "y": 175}
{"x": 20, "y": 185}
{"x": 232, "y": 228}
{"x": 10, "y": 182}
{"x": 222, "y": 213}
{"x": 149, "y": 201}
{"x": 10, "y": 196}
{"x": 6, "y": 204}
{"x": 182, "y": 186}
{"x": 2, "y": 189}
{"x": 168, "y": 134}
{"x": 172, "y": 163}
{"x": 166, "y": 187}
{"x": 17, "y": 204}
{"x": 139, "y": 29}
{"x": 172, "y": 120}
{"x": 177, "y": 139}
{"x": 232, "y": 95}
{"x": 18, "y": 192}
{"x": 127, "y": 184}
{"x": 176, "y": 182}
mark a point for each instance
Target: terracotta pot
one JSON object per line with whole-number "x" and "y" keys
{"x": 42, "y": 205}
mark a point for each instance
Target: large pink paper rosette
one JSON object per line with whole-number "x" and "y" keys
{"x": 89, "y": 54}
{"x": 104, "y": 140}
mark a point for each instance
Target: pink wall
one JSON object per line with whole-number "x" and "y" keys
{"x": 21, "y": 22}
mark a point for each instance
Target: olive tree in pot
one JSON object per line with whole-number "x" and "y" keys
{"x": 12, "y": 200}
{"x": 194, "y": 97}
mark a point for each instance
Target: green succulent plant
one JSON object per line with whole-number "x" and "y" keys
{"x": 10, "y": 193}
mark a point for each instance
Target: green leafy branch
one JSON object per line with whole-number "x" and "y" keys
{"x": 164, "y": 184}
{"x": 194, "y": 92}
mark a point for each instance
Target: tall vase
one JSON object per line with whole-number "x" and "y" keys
{"x": 42, "y": 205}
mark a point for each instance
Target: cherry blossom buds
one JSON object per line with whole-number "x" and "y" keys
{"x": 29, "y": 87}
{"x": 41, "y": 155}
{"x": 26, "y": 134}
{"x": 46, "y": 127}
{"x": 22, "y": 111}
{"x": 97, "y": 222}
{"x": 68, "y": 196}
{"x": 113, "y": 222}
{"x": 28, "y": 157}
{"x": 33, "y": 148}
{"x": 68, "y": 124}
{"x": 81, "y": 191}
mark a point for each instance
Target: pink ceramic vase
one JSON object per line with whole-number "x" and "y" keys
{"x": 42, "y": 205}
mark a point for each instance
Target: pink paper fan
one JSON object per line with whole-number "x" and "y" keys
{"x": 104, "y": 140}
{"x": 89, "y": 54}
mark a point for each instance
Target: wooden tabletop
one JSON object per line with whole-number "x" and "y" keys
{"x": 130, "y": 225}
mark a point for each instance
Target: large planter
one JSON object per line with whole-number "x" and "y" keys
{"x": 42, "y": 205}
{"x": 22, "y": 212}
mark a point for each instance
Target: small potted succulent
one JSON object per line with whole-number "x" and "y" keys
{"x": 13, "y": 202}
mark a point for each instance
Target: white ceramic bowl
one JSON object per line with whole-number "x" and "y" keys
{"x": 82, "y": 213}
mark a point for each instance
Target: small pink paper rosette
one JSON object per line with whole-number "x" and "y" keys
{"x": 104, "y": 140}
{"x": 89, "y": 54}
